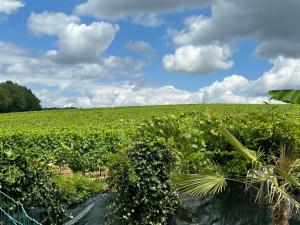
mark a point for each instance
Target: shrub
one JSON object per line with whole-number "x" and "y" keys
{"x": 28, "y": 177}
{"x": 76, "y": 187}
{"x": 142, "y": 180}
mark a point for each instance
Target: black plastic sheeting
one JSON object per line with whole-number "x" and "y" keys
{"x": 92, "y": 212}
{"x": 233, "y": 207}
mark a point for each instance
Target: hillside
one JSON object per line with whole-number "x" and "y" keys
{"x": 121, "y": 117}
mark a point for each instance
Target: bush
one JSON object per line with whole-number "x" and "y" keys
{"x": 28, "y": 178}
{"x": 188, "y": 143}
{"x": 82, "y": 152}
{"x": 76, "y": 187}
{"x": 144, "y": 193}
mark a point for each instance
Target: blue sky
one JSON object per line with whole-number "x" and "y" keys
{"x": 95, "y": 53}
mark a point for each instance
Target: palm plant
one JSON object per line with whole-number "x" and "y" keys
{"x": 288, "y": 96}
{"x": 275, "y": 179}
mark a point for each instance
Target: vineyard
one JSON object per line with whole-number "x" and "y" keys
{"x": 54, "y": 159}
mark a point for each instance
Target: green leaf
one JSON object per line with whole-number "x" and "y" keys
{"x": 288, "y": 96}
{"x": 248, "y": 154}
{"x": 290, "y": 179}
{"x": 200, "y": 184}
{"x": 274, "y": 189}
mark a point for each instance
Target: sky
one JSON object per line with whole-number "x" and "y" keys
{"x": 99, "y": 53}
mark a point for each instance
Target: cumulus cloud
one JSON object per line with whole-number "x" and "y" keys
{"x": 198, "y": 59}
{"x": 235, "y": 19}
{"x": 233, "y": 89}
{"x": 16, "y": 64}
{"x": 142, "y": 12}
{"x": 50, "y": 23}
{"x": 9, "y": 7}
{"x": 120, "y": 94}
{"x": 77, "y": 43}
{"x": 284, "y": 74}
{"x": 89, "y": 87}
{"x": 83, "y": 43}
{"x": 140, "y": 47}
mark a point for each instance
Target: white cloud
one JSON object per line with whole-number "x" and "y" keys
{"x": 194, "y": 27}
{"x": 89, "y": 84}
{"x": 121, "y": 94}
{"x": 233, "y": 89}
{"x": 77, "y": 43}
{"x": 264, "y": 21}
{"x": 83, "y": 43}
{"x": 50, "y": 23}
{"x": 9, "y": 7}
{"x": 16, "y": 64}
{"x": 123, "y": 62}
{"x": 285, "y": 74}
{"x": 142, "y": 12}
{"x": 9, "y": 51}
{"x": 202, "y": 59}
{"x": 140, "y": 47}
{"x": 147, "y": 20}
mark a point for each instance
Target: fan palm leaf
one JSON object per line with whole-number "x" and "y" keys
{"x": 200, "y": 184}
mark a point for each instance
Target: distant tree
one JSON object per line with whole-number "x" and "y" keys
{"x": 32, "y": 103}
{"x": 16, "y": 98}
{"x": 5, "y": 100}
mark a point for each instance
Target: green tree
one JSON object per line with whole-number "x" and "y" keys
{"x": 5, "y": 100}
{"x": 16, "y": 98}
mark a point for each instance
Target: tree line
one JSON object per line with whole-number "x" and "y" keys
{"x": 16, "y": 98}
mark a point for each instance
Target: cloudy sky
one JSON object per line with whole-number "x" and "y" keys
{"x": 95, "y": 53}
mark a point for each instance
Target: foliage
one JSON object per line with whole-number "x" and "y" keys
{"x": 275, "y": 178}
{"x": 27, "y": 176}
{"x": 76, "y": 187}
{"x": 200, "y": 184}
{"x": 289, "y": 96}
{"x": 81, "y": 152}
{"x": 85, "y": 121}
{"x": 142, "y": 180}
{"x": 189, "y": 132}
{"x": 15, "y": 98}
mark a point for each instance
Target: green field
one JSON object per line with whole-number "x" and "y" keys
{"x": 120, "y": 117}
{"x": 35, "y": 147}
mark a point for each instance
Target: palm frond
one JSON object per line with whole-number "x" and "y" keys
{"x": 291, "y": 180}
{"x": 295, "y": 165}
{"x": 289, "y": 96}
{"x": 277, "y": 193}
{"x": 248, "y": 154}
{"x": 200, "y": 184}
